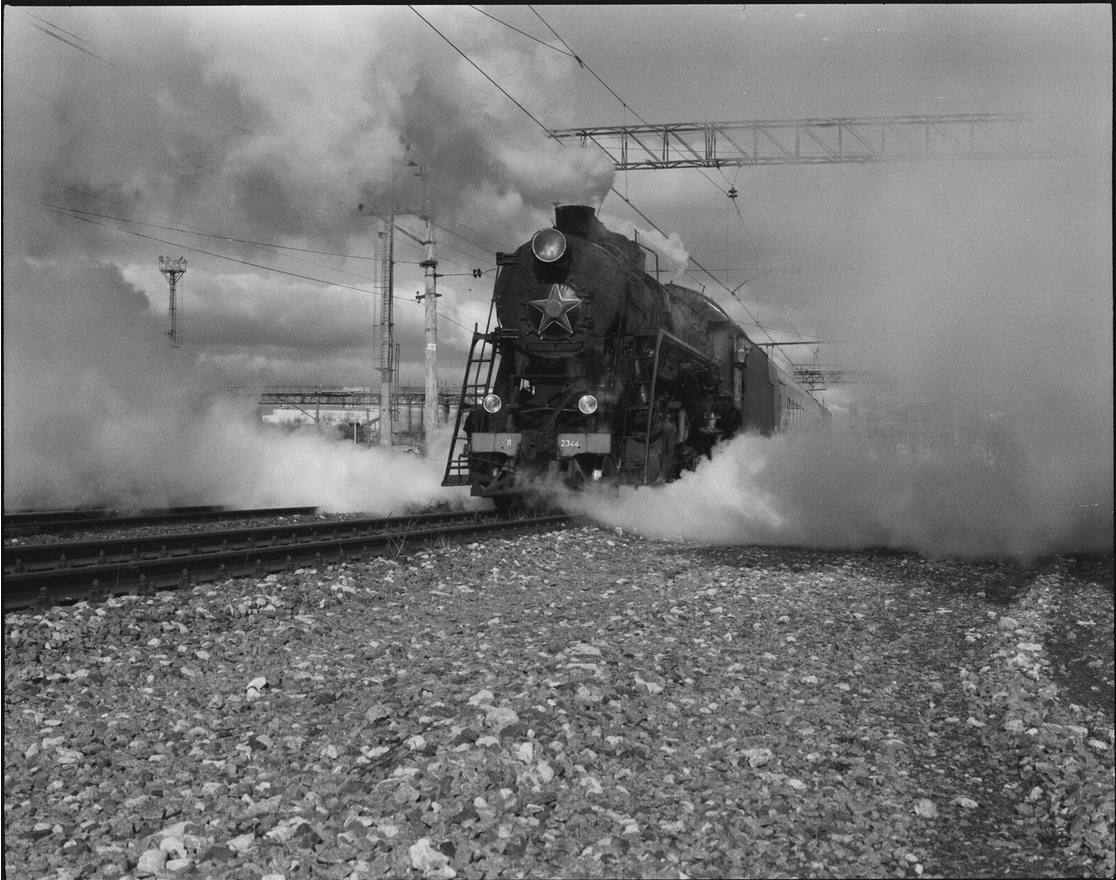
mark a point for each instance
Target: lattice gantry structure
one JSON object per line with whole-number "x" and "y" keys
{"x": 823, "y": 141}
{"x": 173, "y": 270}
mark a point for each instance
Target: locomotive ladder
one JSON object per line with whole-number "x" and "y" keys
{"x": 477, "y": 382}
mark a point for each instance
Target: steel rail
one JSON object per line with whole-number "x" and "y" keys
{"x": 126, "y": 550}
{"x": 53, "y": 521}
{"x": 68, "y": 585}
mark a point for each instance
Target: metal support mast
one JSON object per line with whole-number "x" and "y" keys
{"x": 172, "y": 270}
{"x": 430, "y": 267}
{"x": 430, "y": 301}
{"x": 386, "y": 238}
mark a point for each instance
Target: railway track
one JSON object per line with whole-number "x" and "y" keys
{"x": 67, "y": 521}
{"x": 63, "y": 572}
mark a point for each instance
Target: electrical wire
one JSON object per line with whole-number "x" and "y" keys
{"x": 482, "y": 73}
{"x": 64, "y": 212}
{"x": 529, "y": 36}
{"x": 136, "y": 78}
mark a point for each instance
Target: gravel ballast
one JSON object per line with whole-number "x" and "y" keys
{"x": 577, "y": 703}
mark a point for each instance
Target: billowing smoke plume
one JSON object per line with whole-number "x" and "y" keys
{"x": 975, "y": 304}
{"x": 834, "y": 491}
{"x": 208, "y": 133}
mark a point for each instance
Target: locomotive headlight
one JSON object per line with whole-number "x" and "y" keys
{"x": 548, "y": 245}
{"x": 493, "y": 403}
{"x": 587, "y": 404}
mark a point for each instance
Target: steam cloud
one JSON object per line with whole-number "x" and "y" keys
{"x": 261, "y": 125}
{"x": 979, "y": 304}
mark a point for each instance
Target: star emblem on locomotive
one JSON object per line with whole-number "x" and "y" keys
{"x": 556, "y": 308}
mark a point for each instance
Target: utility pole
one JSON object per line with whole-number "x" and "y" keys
{"x": 430, "y": 301}
{"x": 430, "y": 267}
{"x": 387, "y": 348}
{"x": 173, "y": 270}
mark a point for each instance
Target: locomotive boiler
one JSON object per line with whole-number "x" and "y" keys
{"x": 591, "y": 371}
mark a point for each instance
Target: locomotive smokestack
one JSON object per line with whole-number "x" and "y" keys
{"x": 579, "y": 220}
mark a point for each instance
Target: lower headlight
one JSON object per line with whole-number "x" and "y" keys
{"x": 587, "y": 404}
{"x": 493, "y": 403}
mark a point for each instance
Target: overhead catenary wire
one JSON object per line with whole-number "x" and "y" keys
{"x": 194, "y": 249}
{"x": 182, "y": 226}
{"x": 121, "y": 69}
{"x": 524, "y": 33}
{"x": 482, "y": 73}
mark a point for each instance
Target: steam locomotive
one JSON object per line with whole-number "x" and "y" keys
{"x": 591, "y": 371}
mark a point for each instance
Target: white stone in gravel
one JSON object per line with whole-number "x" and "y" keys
{"x": 526, "y": 752}
{"x": 255, "y": 688}
{"x": 757, "y": 757}
{"x": 242, "y": 843}
{"x": 176, "y": 865}
{"x": 481, "y": 697}
{"x": 431, "y": 862}
{"x": 500, "y": 717}
{"x": 592, "y": 783}
{"x": 285, "y": 830}
{"x": 151, "y": 863}
{"x": 388, "y": 830}
{"x": 377, "y": 712}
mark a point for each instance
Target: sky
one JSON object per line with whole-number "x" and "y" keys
{"x": 244, "y": 138}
